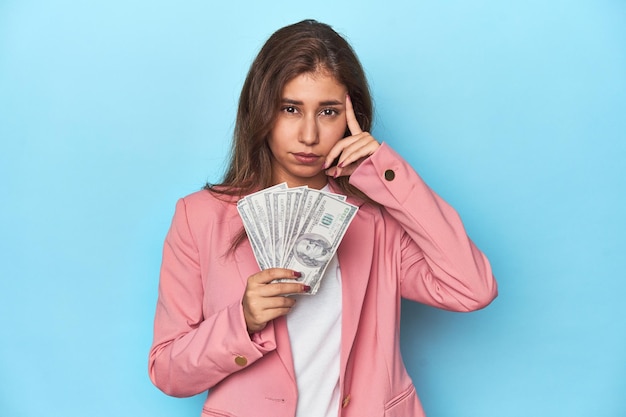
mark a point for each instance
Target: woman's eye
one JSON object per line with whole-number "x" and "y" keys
{"x": 329, "y": 112}
{"x": 289, "y": 109}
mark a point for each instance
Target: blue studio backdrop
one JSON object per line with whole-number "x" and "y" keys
{"x": 514, "y": 112}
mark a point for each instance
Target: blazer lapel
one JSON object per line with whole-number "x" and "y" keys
{"x": 355, "y": 260}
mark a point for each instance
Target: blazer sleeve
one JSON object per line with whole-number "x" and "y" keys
{"x": 440, "y": 265}
{"x": 190, "y": 352}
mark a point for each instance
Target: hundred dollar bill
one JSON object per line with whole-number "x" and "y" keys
{"x": 337, "y": 196}
{"x": 308, "y": 200}
{"x": 280, "y": 209}
{"x": 298, "y": 228}
{"x": 278, "y": 221}
{"x": 261, "y": 216}
{"x": 296, "y": 199}
{"x": 255, "y": 235}
{"x": 256, "y": 223}
{"x": 318, "y": 239}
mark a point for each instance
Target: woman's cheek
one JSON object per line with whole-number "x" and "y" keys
{"x": 336, "y": 133}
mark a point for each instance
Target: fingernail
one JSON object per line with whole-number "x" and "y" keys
{"x": 297, "y": 274}
{"x": 324, "y": 166}
{"x": 306, "y": 288}
{"x": 340, "y": 164}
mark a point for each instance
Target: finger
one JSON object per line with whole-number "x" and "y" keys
{"x": 259, "y": 306}
{"x": 353, "y": 123}
{"x": 353, "y": 156}
{"x": 257, "y": 319}
{"x": 338, "y": 148}
{"x": 347, "y": 170}
{"x": 271, "y": 274}
{"x": 255, "y": 305}
{"x": 279, "y": 303}
{"x": 356, "y": 142}
{"x": 283, "y": 288}
{"x": 271, "y": 314}
{"x": 357, "y": 151}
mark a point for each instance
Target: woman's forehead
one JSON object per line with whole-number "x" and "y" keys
{"x": 314, "y": 86}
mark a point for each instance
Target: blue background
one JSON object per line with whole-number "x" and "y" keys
{"x": 513, "y": 111}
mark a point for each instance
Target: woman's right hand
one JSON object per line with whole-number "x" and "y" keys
{"x": 265, "y": 300}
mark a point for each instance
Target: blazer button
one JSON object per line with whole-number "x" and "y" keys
{"x": 241, "y": 360}
{"x": 390, "y": 175}
{"x": 345, "y": 401}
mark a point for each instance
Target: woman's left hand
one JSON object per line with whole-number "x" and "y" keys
{"x": 351, "y": 150}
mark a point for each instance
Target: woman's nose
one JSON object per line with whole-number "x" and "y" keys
{"x": 309, "y": 134}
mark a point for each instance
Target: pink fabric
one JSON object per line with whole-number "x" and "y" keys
{"x": 414, "y": 247}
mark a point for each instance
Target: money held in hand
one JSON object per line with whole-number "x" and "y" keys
{"x": 296, "y": 228}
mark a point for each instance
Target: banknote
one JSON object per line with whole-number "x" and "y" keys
{"x": 318, "y": 238}
{"x": 298, "y": 228}
{"x": 256, "y": 223}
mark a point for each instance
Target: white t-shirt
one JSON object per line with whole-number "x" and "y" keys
{"x": 314, "y": 325}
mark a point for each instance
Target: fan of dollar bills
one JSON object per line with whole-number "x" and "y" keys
{"x": 297, "y": 228}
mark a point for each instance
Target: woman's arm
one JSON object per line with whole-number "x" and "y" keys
{"x": 190, "y": 352}
{"x": 440, "y": 266}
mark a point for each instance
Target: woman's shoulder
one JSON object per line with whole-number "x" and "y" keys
{"x": 208, "y": 195}
{"x": 207, "y": 201}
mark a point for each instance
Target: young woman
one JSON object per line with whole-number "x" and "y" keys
{"x": 223, "y": 325}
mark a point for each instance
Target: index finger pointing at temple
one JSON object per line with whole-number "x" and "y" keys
{"x": 353, "y": 123}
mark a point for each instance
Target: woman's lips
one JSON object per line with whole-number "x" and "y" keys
{"x": 306, "y": 158}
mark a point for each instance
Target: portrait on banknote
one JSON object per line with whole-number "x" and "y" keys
{"x": 312, "y": 249}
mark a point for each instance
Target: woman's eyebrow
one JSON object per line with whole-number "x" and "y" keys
{"x": 321, "y": 103}
{"x": 291, "y": 101}
{"x": 331, "y": 103}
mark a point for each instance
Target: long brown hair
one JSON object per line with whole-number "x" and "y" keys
{"x": 304, "y": 47}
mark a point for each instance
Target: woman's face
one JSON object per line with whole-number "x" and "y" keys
{"x": 310, "y": 121}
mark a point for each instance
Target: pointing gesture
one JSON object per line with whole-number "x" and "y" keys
{"x": 351, "y": 150}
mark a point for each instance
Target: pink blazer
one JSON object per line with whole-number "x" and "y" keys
{"x": 412, "y": 246}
